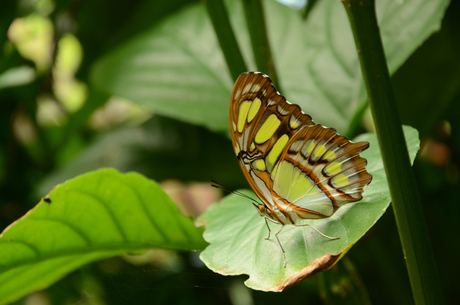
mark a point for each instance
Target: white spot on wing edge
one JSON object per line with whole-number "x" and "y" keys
{"x": 247, "y": 88}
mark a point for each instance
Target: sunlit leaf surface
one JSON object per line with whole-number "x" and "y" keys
{"x": 94, "y": 216}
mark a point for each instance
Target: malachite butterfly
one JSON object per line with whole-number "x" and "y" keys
{"x": 297, "y": 168}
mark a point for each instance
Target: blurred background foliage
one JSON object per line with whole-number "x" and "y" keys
{"x": 55, "y": 124}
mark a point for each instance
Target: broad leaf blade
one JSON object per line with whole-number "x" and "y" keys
{"x": 330, "y": 71}
{"x": 236, "y": 232}
{"x": 177, "y": 68}
{"x": 94, "y": 216}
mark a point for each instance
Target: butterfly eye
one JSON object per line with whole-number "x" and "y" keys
{"x": 261, "y": 208}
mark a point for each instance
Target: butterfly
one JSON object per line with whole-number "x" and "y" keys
{"x": 297, "y": 168}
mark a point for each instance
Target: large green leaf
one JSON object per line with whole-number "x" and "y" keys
{"x": 94, "y": 216}
{"x": 177, "y": 68}
{"x": 236, "y": 232}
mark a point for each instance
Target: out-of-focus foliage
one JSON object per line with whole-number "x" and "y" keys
{"x": 55, "y": 124}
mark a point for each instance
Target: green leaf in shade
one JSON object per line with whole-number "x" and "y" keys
{"x": 177, "y": 69}
{"x": 160, "y": 149}
{"x": 94, "y": 216}
{"x": 236, "y": 232}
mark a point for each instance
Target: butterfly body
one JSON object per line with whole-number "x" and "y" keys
{"x": 298, "y": 169}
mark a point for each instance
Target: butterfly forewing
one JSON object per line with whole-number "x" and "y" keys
{"x": 259, "y": 119}
{"x": 296, "y": 167}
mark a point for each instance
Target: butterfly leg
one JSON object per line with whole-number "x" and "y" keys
{"x": 282, "y": 249}
{"x": 267, "y": 238}
{"x": 318, "y": 231}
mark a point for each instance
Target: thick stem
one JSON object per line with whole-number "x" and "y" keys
{"x": 255, "y": 20}
{"x": 407, "y": 206}
{"x": 226, "y": 37}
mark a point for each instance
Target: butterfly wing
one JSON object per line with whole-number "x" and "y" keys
{"x": 297, "y": 167}
{"x": 319, "y": 171}
{"x": 261, "y": 120}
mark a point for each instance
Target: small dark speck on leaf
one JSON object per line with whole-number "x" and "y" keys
{"x": 47, "y": 200}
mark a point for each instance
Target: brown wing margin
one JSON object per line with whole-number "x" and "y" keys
{"x": 268, "y": 93}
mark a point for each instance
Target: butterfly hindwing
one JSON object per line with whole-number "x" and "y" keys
{"x": 324, "y": 170}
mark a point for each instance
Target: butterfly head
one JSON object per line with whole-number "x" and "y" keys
{"x": 262, "y": 209}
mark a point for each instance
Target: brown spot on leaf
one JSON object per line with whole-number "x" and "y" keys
{"x": 319, "y": 265}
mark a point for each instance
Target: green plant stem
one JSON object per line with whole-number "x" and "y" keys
{"x": 260, "y": 46}
{"x": 226, "y": 37}
{"x": 407, "y": 206}
{"x": 308, "y": 7}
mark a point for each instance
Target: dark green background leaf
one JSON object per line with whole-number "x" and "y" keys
{"x": 236, "y": 232}
{"x": 160, "y": 149}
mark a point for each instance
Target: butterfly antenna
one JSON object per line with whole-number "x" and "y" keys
{"x": 227, "y": 189}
